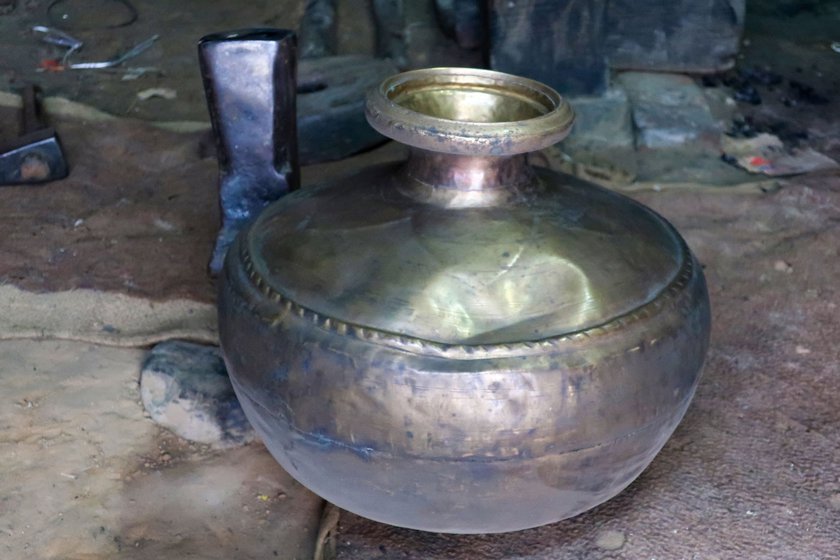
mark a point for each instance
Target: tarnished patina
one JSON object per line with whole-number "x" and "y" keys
{"x": 462, "y": 342}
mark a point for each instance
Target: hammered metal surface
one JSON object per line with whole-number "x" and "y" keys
{"x": 463, "y": 343}
{"x": 560, "y": 257}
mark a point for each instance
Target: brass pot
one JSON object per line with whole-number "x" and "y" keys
{"x": 462, "y": 342}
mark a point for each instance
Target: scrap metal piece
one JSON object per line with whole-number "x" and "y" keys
{"x": 36, "y": 156}
{"x": 59, "y": 38}
{"x": 117, "y": 60}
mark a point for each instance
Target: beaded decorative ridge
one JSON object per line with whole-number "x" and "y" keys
{"x": 408, "y": 343}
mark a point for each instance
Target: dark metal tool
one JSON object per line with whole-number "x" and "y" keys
{"x": 312, "y": 116}
{"x": 36, "y": 156}
{"x": 256, "y": 134}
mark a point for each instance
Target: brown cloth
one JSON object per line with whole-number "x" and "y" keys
{"x": 117, "y": 253}
{"x": 137, "y": 215}
{"x": 754, "y": 469}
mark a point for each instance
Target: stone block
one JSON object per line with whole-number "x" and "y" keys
{"x": 185, "y": 388}
{"x": 674, "y": 36}
{"x": 557, "y": 42}
{"x": 670, "y": 111}
{"x": 603, "y": 131}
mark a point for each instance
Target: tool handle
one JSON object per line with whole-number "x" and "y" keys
{"x": 32, "y": 119}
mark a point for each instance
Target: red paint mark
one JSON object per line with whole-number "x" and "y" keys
{"x": 51, "y": 65}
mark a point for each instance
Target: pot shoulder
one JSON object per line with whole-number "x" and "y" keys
{"x": 565, "y": 257}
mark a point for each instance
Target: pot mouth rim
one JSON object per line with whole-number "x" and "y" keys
{"x": 469, "y": 111}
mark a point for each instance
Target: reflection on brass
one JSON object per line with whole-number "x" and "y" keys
{"x": 462, "y": 342}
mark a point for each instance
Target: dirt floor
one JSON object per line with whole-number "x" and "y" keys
{"x": 87, "y": 475}
{"x": 752, "y": 472}
{"x": 172, "y": 60}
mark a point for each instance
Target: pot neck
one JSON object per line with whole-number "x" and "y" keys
{"x": 463, "y": 180}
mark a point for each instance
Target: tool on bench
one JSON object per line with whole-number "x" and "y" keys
{"x": 36, "y": 156}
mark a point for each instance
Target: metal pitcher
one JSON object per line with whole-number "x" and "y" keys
{"x": 460, "y": 342}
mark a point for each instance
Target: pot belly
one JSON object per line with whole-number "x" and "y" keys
{"x": 462, "y": 439}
